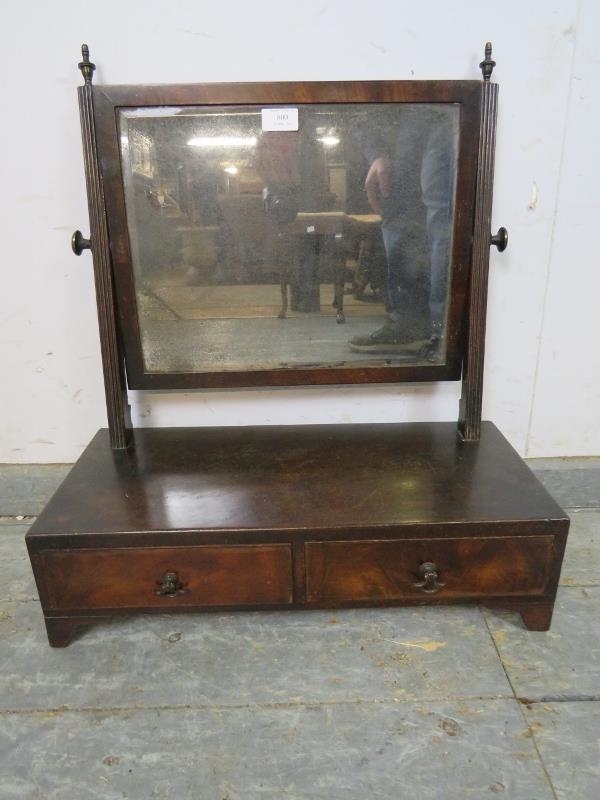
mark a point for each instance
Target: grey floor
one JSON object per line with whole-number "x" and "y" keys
{"x": 418, "y": 703}
{"x": 199, "y": 345}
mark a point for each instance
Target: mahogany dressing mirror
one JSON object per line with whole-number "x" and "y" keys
{"x": 278, "y": 235}
{"x": 290, "y": 234}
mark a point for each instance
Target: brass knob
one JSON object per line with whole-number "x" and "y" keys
{"x": 169, "y": 585}
{"x": 429, "y": 583}
{"x": 79, "y": 244}
{"x": 500, "y": 239}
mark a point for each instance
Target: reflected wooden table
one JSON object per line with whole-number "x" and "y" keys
{"x": 334, "y": 234}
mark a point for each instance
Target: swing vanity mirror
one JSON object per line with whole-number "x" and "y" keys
{"x": 290, "y": 234}
{"x": 248, "y": 245}
{"x": 277, "y": 235}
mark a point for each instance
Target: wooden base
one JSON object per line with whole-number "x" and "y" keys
{"x": 537, "y": 618}
{"x": 61, "y": 630}
{"x": 306, "y": 517}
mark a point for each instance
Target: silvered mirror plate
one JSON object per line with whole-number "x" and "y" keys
{"x": 324, "y": 242}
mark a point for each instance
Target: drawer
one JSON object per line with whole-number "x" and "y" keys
{"x": 131, "y": 577}
{"x": 387, "y": 570}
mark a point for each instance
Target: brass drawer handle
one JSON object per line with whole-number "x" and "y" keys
{"x": 170, "y": 585}
{"x": 430, "y": 583}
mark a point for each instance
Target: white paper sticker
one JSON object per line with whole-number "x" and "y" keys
{"x": 280, "y": 119}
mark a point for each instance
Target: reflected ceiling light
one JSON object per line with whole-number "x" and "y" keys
{"x": 231, "y": 170}
{"x": 330, "y": 141}
{"x": 222, "y": 141}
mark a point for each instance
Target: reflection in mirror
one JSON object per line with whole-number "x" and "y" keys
{"x": 325, "y": 245}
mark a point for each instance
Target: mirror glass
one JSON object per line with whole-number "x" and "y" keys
{"x": 271, "y": 237}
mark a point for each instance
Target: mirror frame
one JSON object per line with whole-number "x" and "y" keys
{"x": 109, "y": 100}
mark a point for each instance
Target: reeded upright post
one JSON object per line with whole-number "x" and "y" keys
{"x": 115, "y": 387}
{"x": 469, "y": 421}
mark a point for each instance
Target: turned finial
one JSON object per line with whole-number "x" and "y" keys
{"x": 85, "y": 65}
{"x": 487, "y": 65}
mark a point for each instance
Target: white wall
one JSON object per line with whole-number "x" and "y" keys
{"x": 543, "y": 379}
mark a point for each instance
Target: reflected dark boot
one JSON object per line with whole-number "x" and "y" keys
{"x": 432, "y": 349}
{"x": 394, "y": 337}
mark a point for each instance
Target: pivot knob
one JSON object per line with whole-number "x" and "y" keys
{"x": 500, "y": 239}
{"x": 79, "y": 244}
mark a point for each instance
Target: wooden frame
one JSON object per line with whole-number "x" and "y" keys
{"x": 120, "y": 333}
{"x": 113, "y": 362}
{"x": 469, "y": 420}
{"x": 107, "y": 102}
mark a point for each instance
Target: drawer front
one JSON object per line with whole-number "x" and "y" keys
{"x": 166, "y": 577}
{"x": 388, "y": 570}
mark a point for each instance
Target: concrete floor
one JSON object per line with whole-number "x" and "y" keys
{"x": 448, "y": 703}
{"x": 191, "y": 328}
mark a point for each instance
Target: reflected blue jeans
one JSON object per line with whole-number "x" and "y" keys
{"x": 434, "y": 183}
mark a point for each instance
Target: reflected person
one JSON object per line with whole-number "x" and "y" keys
{"x": 410, "y": 184}
{"x": 294, "y": 170}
